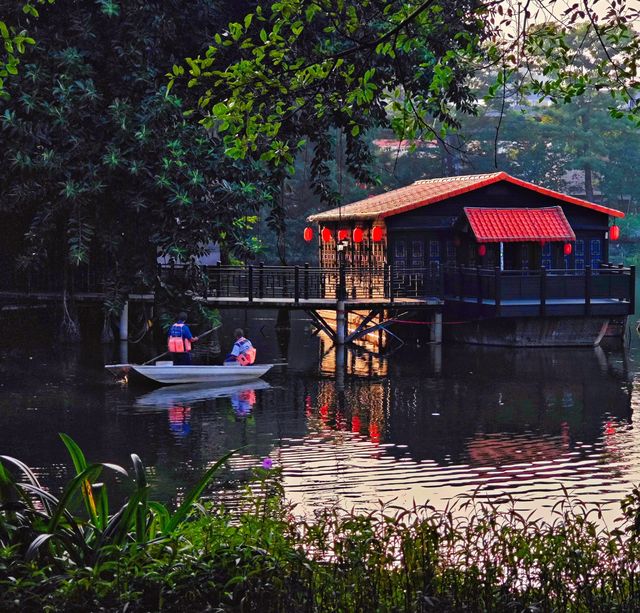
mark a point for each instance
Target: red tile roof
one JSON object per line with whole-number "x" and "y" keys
{"x": 519, "y": 225}
{"x": 430, "y": 191}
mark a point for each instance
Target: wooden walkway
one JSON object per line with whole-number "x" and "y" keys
{"x": 321, "y": 303}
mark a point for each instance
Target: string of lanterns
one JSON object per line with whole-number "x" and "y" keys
{"x": 357, "y": 235}
{"x": 377, "y": 234}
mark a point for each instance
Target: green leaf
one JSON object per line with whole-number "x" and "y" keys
{"x": 194, "y": 494}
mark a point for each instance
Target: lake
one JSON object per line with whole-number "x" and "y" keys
{"x": 424, "y": 423}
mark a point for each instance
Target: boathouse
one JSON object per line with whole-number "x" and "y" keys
{"x": 513, "y": 262}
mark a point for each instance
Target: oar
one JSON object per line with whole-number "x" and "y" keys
{"x": 165, "y": 353}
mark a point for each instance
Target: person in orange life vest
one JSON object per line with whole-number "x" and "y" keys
{"x": 179, "y": 341}
{"x": 243, "y": 352}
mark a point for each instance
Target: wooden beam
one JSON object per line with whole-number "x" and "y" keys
{"x": 322, "y": 324}
{"x": 363, "y": 324}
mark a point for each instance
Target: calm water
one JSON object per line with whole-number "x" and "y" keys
{"x": 422, "y": 424}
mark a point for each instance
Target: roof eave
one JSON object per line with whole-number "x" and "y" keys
{"x": 564, "y": 197}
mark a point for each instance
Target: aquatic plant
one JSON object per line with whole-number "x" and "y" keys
{"x": 473, "y": 555}
{"x": 38, "y": 524}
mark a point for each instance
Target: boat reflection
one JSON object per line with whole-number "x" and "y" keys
{"x": 179, "y": 400}
{"x": 168, "y": 396}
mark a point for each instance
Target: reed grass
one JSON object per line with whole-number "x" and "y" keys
{"x": 75, "y": 553}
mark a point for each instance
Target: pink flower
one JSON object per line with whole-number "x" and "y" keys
{"x": 267, "y": 463}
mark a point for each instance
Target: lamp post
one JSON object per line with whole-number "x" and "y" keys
{"x": 341, "y": 294}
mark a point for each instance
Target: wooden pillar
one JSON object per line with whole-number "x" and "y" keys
{"x": 498, "y": 290}
{"x": 261, "y": 280}
{"x": 123, "y": 327}
{"x": 632, "y": 290}
{"x": 543, "y": 291}
{"x": 124, "y": 352}
{"x": 340, "y": 367}
{"x": 436, "y": 328}
{"x": 340, "y": 322}
{"x": 587, "y": 290}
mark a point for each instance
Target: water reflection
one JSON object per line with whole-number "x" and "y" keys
{"x": 187, "y": 394}
{"x": 178, "y": 401}
{"x": 426, "y": 423}
{"x": 523, "y": 423}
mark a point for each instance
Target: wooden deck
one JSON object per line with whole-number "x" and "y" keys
{"x": 321, "y": 303}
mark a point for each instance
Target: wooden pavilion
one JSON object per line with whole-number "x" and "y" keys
{"x": 491, "y": 247}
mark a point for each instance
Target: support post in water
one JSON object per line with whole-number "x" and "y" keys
{"x": 436, "y": 328}
{"x": 340, "y": 322}
{"x": 123, "y": 327}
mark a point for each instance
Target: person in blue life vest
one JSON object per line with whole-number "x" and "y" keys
{"x": 179, "y": 341}
{"x": 243, "y": 352}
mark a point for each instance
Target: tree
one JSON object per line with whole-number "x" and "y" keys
{"x": 99, "y": 165}
{"x": 305, "y": 67}
{"x": 14, "y": 41}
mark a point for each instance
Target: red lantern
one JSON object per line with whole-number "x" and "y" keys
{"x": 614, "y": 233}
{"x": 357, "y": 235}
{"x": 568, "y": 248}
{"x": 482, "y": 250}
{"x": 308, "y": 233}
{"x": 326, "y": 235}
{"x": 342, "y": 234}
{"x": 376, "y": 234}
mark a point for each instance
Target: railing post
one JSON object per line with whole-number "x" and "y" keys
{"x": 250, "y": 283}
{"x": 587, "y": 290}
{"x": 306, "y": 281}
{"x": 296, "y": 284}
{"x": 498, "y": 289}
{"x": 479, "y": 281}
{"x": 391, "y": 292}
{"x": 205, "y": 282}
{"x": 261, "y": 280}
{"x": 217, "y": 277}
{"x": 543, "y": 291}
{"x": 632, "y": 289}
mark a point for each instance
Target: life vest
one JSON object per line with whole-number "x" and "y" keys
{"x": 247, "y": 356}
{"x": 176, "y": 343}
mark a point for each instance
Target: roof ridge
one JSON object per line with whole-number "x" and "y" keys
{"x": 459, "y": 178}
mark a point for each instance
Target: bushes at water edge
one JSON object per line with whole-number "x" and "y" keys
{"x": 142, "y": 557}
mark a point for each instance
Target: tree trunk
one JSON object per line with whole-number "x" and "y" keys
{"x": 588, "y": 182}
{"x": 69, "y": 327}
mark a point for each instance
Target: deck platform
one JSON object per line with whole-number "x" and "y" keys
{"x": 322, "y": 303}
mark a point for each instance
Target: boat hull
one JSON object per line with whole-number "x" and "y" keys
{"x": 173, "y": 375}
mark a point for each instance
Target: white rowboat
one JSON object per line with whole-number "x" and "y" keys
{"x": 168, "y": 374}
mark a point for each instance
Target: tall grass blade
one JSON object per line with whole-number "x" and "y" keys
{"x": 122, "y": 522}
{"x": 161, "y": 519}
{"x": 183, "y": 510}
{"x": 34, "y": 548}
{"x": 75, "y": 485}
{"x": 80, "y": 464}
{"x": 29, "y": 474}
{"x": 141, "y": 511}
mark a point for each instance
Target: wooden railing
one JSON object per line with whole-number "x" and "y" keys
{"x": 484, "y": 285}
{"x": 258, "y": 282}
{"x": 464, "y": 284}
